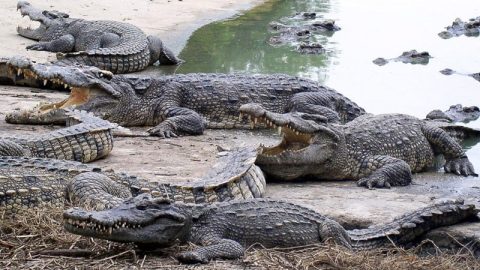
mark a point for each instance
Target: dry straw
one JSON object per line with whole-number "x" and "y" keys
{"x": 36, "y": 240}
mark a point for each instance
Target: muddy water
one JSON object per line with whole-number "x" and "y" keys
{"x": 370, "y": 29}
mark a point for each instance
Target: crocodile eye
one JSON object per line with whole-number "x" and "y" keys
{"x": 142, "y": 206}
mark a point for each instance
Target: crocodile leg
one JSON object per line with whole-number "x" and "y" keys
{"x": 384, "y": 172}
{"x": 176, "y": 119}
{"x": 457, "y": 161}
{"x": 314, "y": 103}
{"x": 214, "y": 249}
{"x": 64, "y": 43}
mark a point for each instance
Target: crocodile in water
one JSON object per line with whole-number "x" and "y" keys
{"x": 470, "y": 28}
{"x": 110, "y": 45}
{"x": 177, "y": 104}
{"x": 224, "y": 230}
{"x": 377, "y": 150}
{"x": 408, "y": 57}
{"x": 456, "y": 113}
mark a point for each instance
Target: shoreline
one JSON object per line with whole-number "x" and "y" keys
{"x": 172, "y": 20}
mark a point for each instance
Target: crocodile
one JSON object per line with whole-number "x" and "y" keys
{"x": 408, "y": 57}
{"x": 176, "y": 104}
{"x": 225, "y": 229}
{"x": 302, "y": 35}
{"x": 448, "y": 71}
{"x": 456, "y": 113}
{"x": 470, "y": 28}
{"x": 27, "y": 182}
{"x": 115, "y": 46}
{"x": 89, "y": 140}
{"x": 377, "y": 150}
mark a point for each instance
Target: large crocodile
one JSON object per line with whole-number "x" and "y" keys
{"x": 225, "y": 229}
{"x": 115, "y": 46}
{"x": 175, "y": 104}
{"x": 377, "y": 150}
{"x": 33, "y": 182}
{"x": 89, "y": 140}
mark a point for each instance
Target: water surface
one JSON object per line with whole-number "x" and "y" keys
{"x": 370, "y": 29}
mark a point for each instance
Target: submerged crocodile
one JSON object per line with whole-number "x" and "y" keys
{"x": 89, "y": 140}
{"x": 35, "y": 182}
{"x": 449, "y": 71}
{"x": 377, "y": 150}
{"x": 456, "y": 113}
{"x": 178, "y": 104}
{"x": 408, "y": 57}
{"x": 302, "y": 35}
{"x": 471, "y": 28}
{"x": 115, "y": 46}
{"x": 224, "y": 230}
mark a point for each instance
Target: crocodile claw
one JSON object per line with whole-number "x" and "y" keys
{"x": 37, "y": 47}
{"x": 460, "y": 166}
{"x": 372, "y": 182}
{"x": 192, "y": 257}
{"x": 163, "y": 130}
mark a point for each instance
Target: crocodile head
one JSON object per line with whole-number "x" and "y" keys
{"x": 52, "y": 22}
{"x": 308, "y": 144}
{"x": 118, "y": 99}
{"x": 142, "y": 220}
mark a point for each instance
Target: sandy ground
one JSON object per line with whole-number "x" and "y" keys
{"x": 187, "y": 158}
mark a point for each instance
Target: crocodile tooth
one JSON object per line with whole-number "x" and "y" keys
{"x": 45, "y": 82}
{"x": 110, "y": 230}
{"x": 19, "y": 72}
{"x": 297, "y": 133}
{"x": 255, "y": 120}
{"x": 409, "y": 225}
{"x": 279, "y": 130}
{"x": 240, "y": 117}
{"x": 252, "y": 124}
{"x": 65, "y": 85}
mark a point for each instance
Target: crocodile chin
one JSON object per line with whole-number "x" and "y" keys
{"x": 78, "y": 96}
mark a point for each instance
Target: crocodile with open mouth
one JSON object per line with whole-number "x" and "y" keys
{"x": 115, "y": 46}
{"x": 177, "y": 104}
{"x": 225, "y": 229}
{"x": 377, "y": 150}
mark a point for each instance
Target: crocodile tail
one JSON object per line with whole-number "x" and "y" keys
{"x": 408, "y": 227}
{"x": 159, "y": 52}
{"x": 111, "y": 61}
{"x": 11, "y": 148}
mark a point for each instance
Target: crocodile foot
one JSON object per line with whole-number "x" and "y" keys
{"x": 192, "y": 257}
{"x": 37, "y": 47}
{"x": 374, "y": 181}
{"x": 460, "y": 166}
{"x": 166, "y": 129}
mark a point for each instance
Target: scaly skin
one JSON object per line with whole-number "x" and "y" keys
{"x": 178, "y": 104}
{"x": 224, "y": 230}
{"x": 34, "y": 182}
{"x": 87, "y": 141}
{"x": 114, "y": 46}
{"x": 376, "y": 150}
